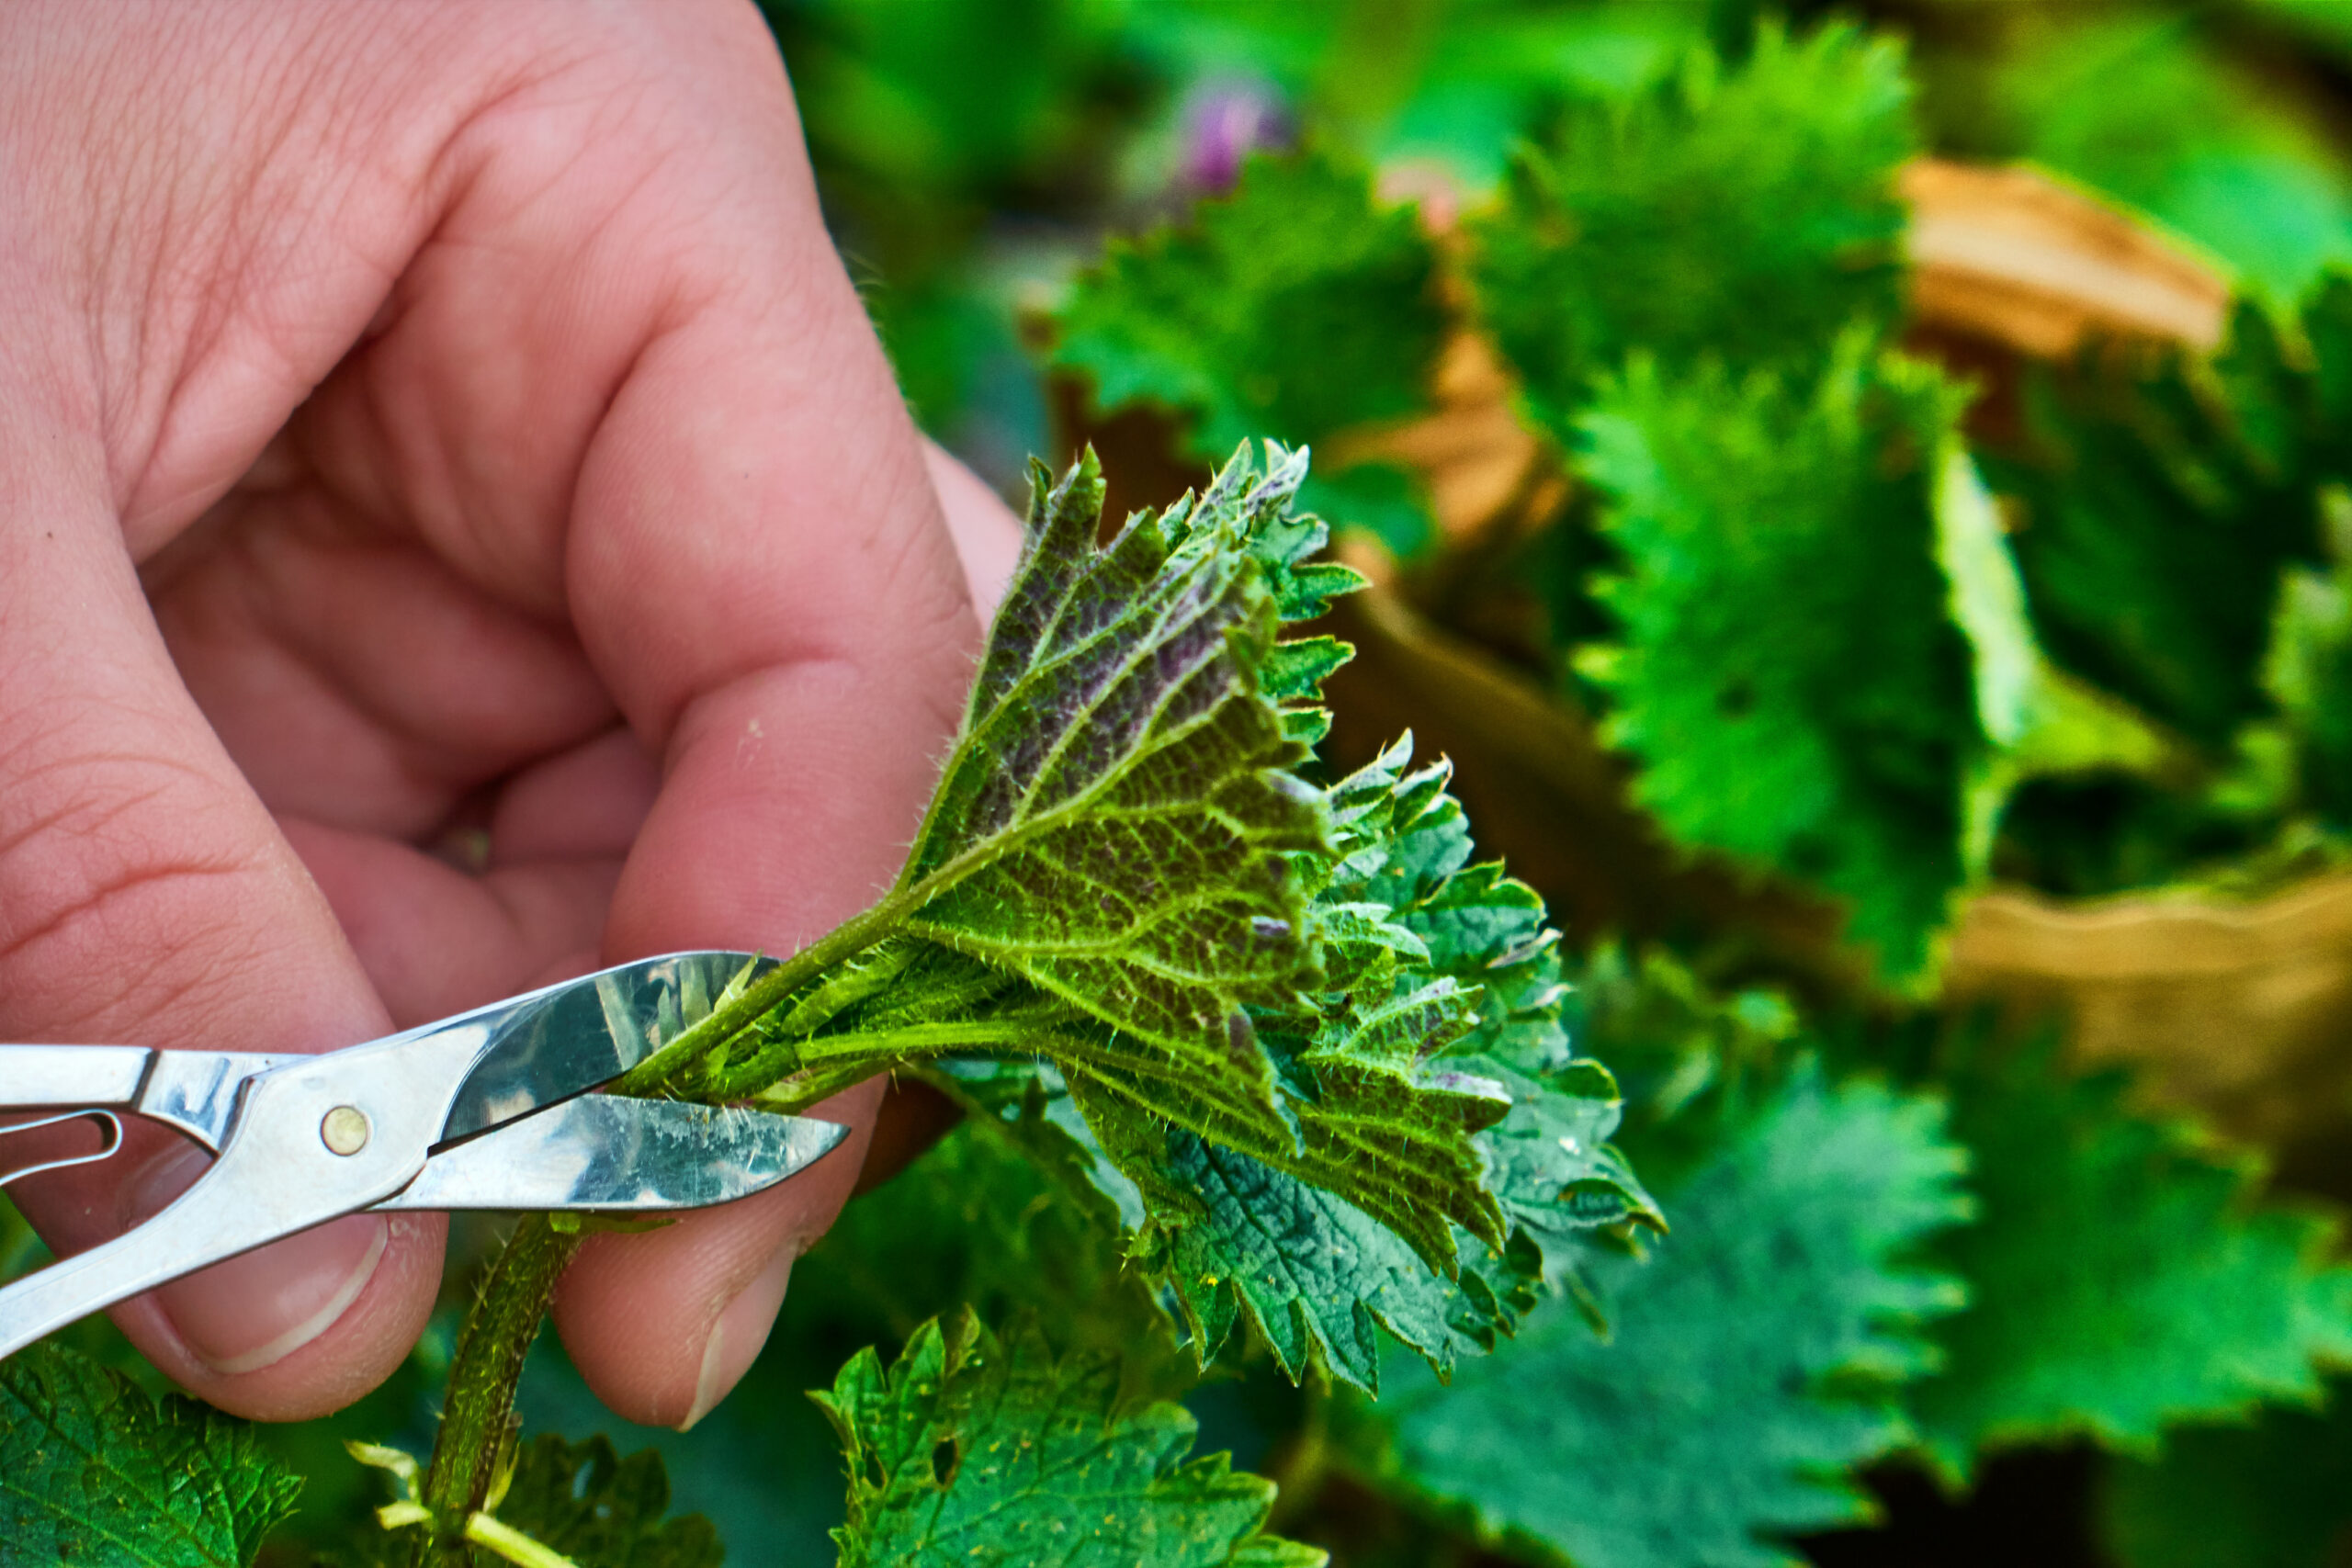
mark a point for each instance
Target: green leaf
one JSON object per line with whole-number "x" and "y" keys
{"x": 970, "y": 1452}
{"x": 1298, "y": 307}
{"x": 2268, "y": 1494}
{"x": 2122, "y": 1278}
{"x": 1294, "y": 308}
{"x": 586, "y": 1502}
{"x": 1752, "y": 1365}
{"x": 2141, "y": 104}
{"x": 1229, "y": 1235}
{"x": 1110, "y": 823}
{"x": 2041, "y": 721}
{"x": 1461, "y": 954}
{"x": 2161, "y": 501}
{"x": 92, "y": 1471}
{"x": 1743, "y": 216}
{"x": 1789, "y": 672}
{"x": 1105, "y": 877}
{"x": 1315, "y": 1274}
{"x": 2302, "y": 760}
{"x": 1406, "y": 852}
{"x": 1119, "y": 876}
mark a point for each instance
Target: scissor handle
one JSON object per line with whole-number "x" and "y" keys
{"x": 195, "y": 1231}
{"x": 72, "y": 1078}
{"x": 311, "y": 1141}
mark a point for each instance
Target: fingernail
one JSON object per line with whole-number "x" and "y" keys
{"x": 736, "y": 1338}
{"x": 254, "y": 1311}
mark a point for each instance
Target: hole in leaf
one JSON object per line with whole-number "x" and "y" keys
{"x": 943, "y": 1462}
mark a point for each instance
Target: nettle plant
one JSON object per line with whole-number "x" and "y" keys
{"x": 1817, "y": 678}
{"x": 1810, "y": 677}
{"x": 1298, "y": 1056}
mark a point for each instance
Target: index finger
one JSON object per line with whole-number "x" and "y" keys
{"x": 754, "y": 561}
{"x": 626, "y": 383}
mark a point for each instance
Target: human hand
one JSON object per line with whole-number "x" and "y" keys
{"x": 417, "y": 416}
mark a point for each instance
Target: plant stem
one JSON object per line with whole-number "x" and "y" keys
{"x": 658, "y": 1073}
{"x": 513, "y": 1544}
{"x": 478, "y": 1420}
{"x": 475, "y": 1443}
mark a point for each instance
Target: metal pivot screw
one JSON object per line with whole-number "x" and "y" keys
{"x": 345, "y": 1130}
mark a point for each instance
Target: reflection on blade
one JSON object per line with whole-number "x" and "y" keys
{"x": 602, "y": 1154}
{"x": 568, "y": 1038}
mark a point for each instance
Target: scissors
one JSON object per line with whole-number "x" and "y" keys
{"x": 487, "y": 1110}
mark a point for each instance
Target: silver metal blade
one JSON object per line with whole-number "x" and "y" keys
{"x": 567, "y": 1039}
{"x": 601, "y": 1154}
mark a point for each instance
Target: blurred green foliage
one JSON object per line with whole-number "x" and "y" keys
{"x": 1750, "y": 516}
{"x": 1821, "y": 645}
{"x": 1751, "y": 1366}
{"x": 1735, "y": 216}
{"x": 1298, "y": 308}
{"x": 2267, "y": 1491}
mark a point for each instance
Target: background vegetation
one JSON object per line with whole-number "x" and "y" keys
{"x": 1860, "y": 496}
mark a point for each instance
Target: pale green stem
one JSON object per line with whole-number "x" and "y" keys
{"x": 513, "y": 1544}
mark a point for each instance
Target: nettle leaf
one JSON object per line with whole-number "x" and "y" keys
{"x": 971, "y": 1452}
{"x": 1298, "y": 307}
{"x": 1109, "y": 824}
{"x": 1406, "y": 849}
{"x": 2161, "y": 501}
{"x": 1459, "y": 955}
{"x": 2302, "y": 760}
{"x": 586, "y": 1502}
{"x": 1754, "y": 1363}
{"x": 1742, "y": 215}
{"x": 1789, "y": 672}
{"x": 1315, "y": 1274}
{"x": 1234, "y": 977}
{"x": 2122, "y": 1278}
{"x": 94, "y": 1470}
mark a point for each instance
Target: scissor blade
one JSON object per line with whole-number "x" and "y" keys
{"x": 568, "y": 1039}
{"x": 601, "y": 1154}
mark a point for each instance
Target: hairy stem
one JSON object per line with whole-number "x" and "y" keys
{"x": 664, "y": 1072}
{"x": 477, "y": 1435}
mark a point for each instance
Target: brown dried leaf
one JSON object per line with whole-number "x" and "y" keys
{"x": 1483, "y": 467}
{"x": 2237, "y": 1009}
{"x": 2017, "y": 256}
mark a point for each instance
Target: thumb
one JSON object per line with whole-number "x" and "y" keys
{"x": 147, "y": 897}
